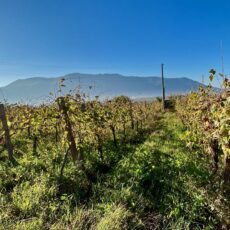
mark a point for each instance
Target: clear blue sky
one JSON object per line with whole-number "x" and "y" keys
{"x": 131, "y": 37}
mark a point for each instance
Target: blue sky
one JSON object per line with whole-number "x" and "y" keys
{"x": 50, "y": 38}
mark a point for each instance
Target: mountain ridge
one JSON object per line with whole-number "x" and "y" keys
{"x": 102, "y": 85}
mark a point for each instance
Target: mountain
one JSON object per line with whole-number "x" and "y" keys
{"x": 35, "y": 90}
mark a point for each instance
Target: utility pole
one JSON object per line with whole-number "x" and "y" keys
{"x": 222, "y": 56}
{"x": 163, "y": 87}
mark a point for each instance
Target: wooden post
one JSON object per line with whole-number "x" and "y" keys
{"x": 112, "y": 127}
{"x": 68, "y": 127}
{"x": 163, "y": 87}
{"x": 227, "y": 171}
{"x": 35, "y": 144}
{"x": 6, "y": 132}
{"x": 64, "y": 163}
{"x": 56, "y": 131}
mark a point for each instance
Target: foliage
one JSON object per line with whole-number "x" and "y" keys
{"x": 206, "y": 114}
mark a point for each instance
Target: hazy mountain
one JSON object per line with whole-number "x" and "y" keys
{"x": 103, "y": 85}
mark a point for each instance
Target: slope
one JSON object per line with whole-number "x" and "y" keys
{"x": 103, "y": 85}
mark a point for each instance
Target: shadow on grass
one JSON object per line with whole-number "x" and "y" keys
{"x": 158, "y": 178}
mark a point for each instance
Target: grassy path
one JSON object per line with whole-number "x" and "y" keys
{"x": 164, "y": 185}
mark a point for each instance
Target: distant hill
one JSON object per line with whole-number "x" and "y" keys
{"x": 35, "y": 90}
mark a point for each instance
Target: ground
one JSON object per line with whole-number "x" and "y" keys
{"x": 158, "y": 183}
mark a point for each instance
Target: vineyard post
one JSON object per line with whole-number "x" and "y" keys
{"x": 163, "y": 87}
{"x": 29, "y": 131}
{"x": 64, "y": 163}
{"x": 112, "y": 127}
{"x": 227, "y": 171}
{"x": 35, "y": 144}
{"x": 215, "y": 154}
{"x": 6, "y": 132}
{"x": 68, "y": 127}
{"x": 56, "y": 131}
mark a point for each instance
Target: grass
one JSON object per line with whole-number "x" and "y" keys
{"x": 157, "y": 183}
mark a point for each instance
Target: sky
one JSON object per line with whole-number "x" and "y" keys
{"x": 50, "y": 38}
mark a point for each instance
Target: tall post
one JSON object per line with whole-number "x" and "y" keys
{"x": 6, "y": 132}
{"x": 222, "y": 57}
{"x": 68, "y": 127}
{"x": 163, "y": 87}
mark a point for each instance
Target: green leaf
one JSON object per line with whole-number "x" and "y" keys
{"x": 212, "y": 72}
